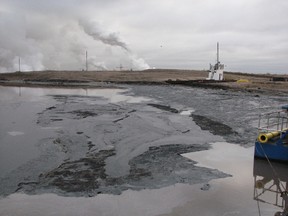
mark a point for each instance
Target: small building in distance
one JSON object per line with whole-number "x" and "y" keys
{"x": 216, "y": 72}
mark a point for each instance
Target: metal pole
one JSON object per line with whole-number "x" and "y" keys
{"x": 19, "y": 64}
{"x": 86, "y": 60}
{"x": 217, "y": 52}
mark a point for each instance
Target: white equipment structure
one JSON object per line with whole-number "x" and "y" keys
{"x": 216, "y": 71}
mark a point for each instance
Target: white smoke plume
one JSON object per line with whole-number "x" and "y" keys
{"x": 93, "y": 62}
{"x": 93, "y": 29}
{"x": 56, "y": 41}
{"x": 39, "y": 43}
{"x": 15, "y": 45}
{"x": 138, "y": 63}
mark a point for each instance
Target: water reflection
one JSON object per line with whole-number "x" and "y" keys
{"x": 113, "y": 95}
{"x": 271, "y": 184}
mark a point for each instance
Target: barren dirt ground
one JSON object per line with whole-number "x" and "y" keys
{"x": 251, "y": 82}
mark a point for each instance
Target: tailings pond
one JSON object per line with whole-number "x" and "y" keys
{"x": 135, "y": 150}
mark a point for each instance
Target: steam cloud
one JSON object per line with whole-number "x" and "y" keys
{"x": 15, "y": 43}
{"x": 138, "y": 63}
{"x": 92, "y": 29}
{"x": 59, "y": 43}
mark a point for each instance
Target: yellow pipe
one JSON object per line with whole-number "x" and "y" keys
{"x": 264, "y": 137}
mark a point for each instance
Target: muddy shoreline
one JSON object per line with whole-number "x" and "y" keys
{"x": 256, "y": 83}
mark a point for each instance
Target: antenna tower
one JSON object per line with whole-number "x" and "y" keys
{"x": 218, "y": 52}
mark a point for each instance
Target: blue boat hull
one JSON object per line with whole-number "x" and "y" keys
{"x": 272, "y": 151}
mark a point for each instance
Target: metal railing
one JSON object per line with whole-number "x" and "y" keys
{"x": 273, "y": 121}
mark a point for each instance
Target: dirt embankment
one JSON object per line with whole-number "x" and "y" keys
{"x": 239, "y": 81}
{"x": 106, "y": 76}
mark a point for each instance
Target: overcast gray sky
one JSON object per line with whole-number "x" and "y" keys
{"x": 54, "y": 34}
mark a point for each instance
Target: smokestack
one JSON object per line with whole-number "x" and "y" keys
{"x": 97, "y": 33}
{"x": 19, "y": 64}
{"x": 86, "y": 60}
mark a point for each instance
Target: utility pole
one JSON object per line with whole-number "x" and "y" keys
{"x": 120, "y": 67}
{"x": 86, "y": 60}
{"x": 19, "y": 64}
